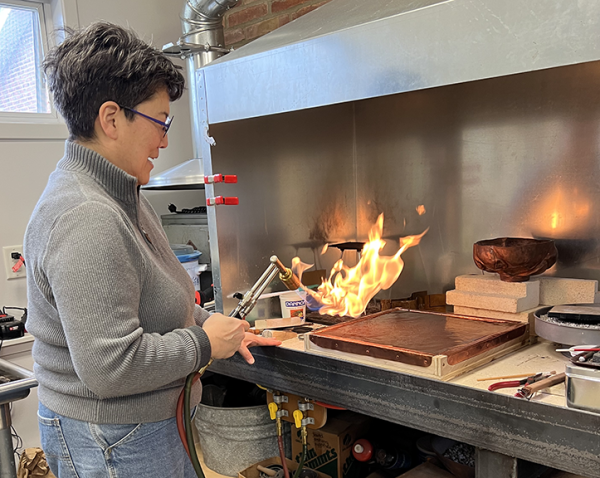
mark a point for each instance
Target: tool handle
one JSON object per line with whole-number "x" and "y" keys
{"x": 265, "y": 470}
{"x": 519, "y": 375}
{"x": 499, "y": 385}
{"x": 529, "y": 390}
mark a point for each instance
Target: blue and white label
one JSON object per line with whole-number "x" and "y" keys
{"x": 291, "y": 304}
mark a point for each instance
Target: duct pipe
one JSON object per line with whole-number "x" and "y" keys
{"x": 202, "y": 42}
{"x": 202, "y": 22}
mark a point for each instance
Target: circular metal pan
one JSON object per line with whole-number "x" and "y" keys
{"x": 565, "y": 333}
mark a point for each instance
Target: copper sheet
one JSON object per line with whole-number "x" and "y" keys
{"x": 415, "y": 337}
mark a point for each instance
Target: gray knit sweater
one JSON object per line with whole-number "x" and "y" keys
{"x": 111, "y": 308}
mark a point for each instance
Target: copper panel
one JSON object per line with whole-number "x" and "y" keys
{"x": 415, "y": 337}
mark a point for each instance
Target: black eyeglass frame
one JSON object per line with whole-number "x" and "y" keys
{"x": 165, "y": 124}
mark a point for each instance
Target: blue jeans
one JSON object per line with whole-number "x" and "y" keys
{"x": 76, "y": 449}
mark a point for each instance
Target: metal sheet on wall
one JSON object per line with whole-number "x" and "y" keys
{"x": 352, "y": 49}
{"x": 296, "y": 190}
{"x": 511, "y": 156}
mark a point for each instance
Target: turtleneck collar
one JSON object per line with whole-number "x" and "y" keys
{"x": 117, "y": 182}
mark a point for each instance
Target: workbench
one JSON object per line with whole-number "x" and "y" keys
{"x": 508, "y": 432}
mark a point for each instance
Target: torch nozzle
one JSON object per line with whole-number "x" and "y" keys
{"x": 286, "y": 275}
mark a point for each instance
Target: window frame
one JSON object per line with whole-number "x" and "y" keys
{"x": 45, "y": 24}
{"x": 57, "y": 14}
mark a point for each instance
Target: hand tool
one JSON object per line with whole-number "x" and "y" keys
{"x": 581, "y": 348}
{"x": 529, "y": 390}
{"x": 266, "y": 471}
{"x": 517, "y": 383}
{"x": 506, "y": 377}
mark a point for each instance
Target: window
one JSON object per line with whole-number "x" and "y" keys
{"x": 22, "y": 44}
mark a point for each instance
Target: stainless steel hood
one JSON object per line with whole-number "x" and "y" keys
{"x": 188, "y": 175}
{"x": 355, "y": 49}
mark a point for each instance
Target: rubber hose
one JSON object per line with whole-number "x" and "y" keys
{"x": 301, "y": 464}
{"x": 326, "y": 405}
{"x": 286, "y": 473}
{"x": 180, "y": 424}
{"x": 188, "y": 423}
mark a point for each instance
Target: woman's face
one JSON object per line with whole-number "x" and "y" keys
{"x": 142, "y": 138}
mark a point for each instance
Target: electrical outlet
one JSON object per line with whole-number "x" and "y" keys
{"x": 9, "y": 262}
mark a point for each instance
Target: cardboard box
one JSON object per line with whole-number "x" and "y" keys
{"x": 330, "y": 447}
{"x": 252, "y": 471}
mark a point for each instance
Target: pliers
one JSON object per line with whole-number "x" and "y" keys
{"x": 518, "y": 383}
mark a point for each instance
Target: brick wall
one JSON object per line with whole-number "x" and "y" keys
{"x": 251, "y": 19}
{"x": 18, "y": 81}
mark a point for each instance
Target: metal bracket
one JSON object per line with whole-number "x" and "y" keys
{"x": 282, "y": 413}
{"x": 308, "y": 421}
{"x": 280, "y": 399}
{"x": 304, "y": 406}
{"x": 183, "y": 49}
{"x": 209, "y": 139}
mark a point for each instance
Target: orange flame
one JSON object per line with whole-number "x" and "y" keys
{"x": 349, "y": 290}
{"x": 421, "y": 210}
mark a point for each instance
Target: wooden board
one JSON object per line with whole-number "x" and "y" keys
{"x": 425, "y": 343}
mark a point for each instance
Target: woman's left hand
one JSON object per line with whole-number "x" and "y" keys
{"x": 251, "y": 340}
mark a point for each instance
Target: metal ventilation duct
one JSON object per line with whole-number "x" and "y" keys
{"x": 350, "y": 50}
{"x": 201, "y": 43}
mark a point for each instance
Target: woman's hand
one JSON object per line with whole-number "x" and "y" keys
{"x": 251, "y": 340}
{"x": 225, "y": 334}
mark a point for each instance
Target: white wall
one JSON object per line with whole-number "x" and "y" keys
{"x": 29, "y": 153}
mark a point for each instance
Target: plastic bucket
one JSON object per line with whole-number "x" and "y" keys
{"x": 232, "y": 439}
{"x": 190, "y": 264}
{"x": 293, "y": 304}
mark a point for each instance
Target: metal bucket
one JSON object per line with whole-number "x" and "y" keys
{"x": 232, "y": 439}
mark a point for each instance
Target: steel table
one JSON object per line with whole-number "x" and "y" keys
{"x": 504, "y": 429}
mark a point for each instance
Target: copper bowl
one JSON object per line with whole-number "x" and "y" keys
{"x": 515, "y": 259}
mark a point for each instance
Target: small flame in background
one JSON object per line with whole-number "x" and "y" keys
{"x": 421, "y": 210}
{"x": 349, "y": 289}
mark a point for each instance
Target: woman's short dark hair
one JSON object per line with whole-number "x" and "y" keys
{"x": 106, "y": 62}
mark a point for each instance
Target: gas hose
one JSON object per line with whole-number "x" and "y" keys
{"x": 184, "y": 425}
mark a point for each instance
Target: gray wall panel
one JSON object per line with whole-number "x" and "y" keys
{"x": 511, "y": 156}
{"x": 295, "y": 186}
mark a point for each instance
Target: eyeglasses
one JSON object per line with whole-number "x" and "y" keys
{"x": 165, "y": 125}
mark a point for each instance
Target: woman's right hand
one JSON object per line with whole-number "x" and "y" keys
{"x": 225, "y": 334}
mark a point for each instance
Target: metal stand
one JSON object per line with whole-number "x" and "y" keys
{"x": 7, "y": 456}
{"x": 9, "y": 392}
{"x": 489, "y": 464}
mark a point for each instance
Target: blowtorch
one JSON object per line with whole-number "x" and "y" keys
{"x": 249, "y": 299}
{"x": 244, "y": 307}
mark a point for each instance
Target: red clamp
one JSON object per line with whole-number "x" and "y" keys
{"x": 227, "y": 201}
{"x": 220, "y": 178}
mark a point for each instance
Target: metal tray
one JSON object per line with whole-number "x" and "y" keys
{"x": 416, "y": 337}
{"x": 22, "y": 380}
{"x": 583, "y": 387}
{"x": 565, "y": 333}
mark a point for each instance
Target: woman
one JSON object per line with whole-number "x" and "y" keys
{"x": 111, "y": 309}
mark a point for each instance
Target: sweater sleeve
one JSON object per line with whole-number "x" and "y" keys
{"x": 200, "y": 315}
{"x": 96, "y": 271}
